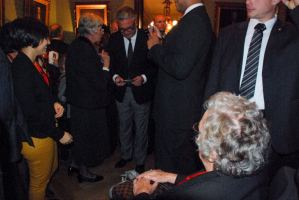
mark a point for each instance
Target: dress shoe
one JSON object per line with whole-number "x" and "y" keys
{"x": 122, "y": 163}
{"x": 49, "y": 193}
{"x": 139, "y": 169}
{"x": 96, "y": 179}
{"x": 71, "y": 170}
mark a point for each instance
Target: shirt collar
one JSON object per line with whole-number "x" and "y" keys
{"x": 269, "y": 24}
{"x": 192, "y": 7}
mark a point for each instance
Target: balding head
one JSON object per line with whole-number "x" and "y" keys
{"x": 56, "y": 31}
{"x": 160, "y": 23}
{"x": 114, "y": 27}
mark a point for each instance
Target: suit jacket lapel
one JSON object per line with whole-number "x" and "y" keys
{"x": 122, "y": 51}
{"x": 135, "y": 52}
{"x": 239, "y": 44}
{"x": 271, "y": 48}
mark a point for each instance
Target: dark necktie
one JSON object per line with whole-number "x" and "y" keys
{"x": 249, "y": 78}
{"x": 130, "y": 51}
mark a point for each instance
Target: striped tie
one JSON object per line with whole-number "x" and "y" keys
{"x": 252, "y": 62}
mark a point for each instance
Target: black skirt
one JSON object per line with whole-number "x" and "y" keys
{"x": 90, "y": 134}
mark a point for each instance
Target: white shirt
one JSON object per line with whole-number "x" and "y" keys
{"x": 133, "y": 41}
{"x": 258, "y": 96}
{"x": 126, "y": 42}
{"x": 192, "y": 7}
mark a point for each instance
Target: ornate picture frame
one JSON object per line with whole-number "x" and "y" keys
{"x": 227, "y": 13}
{"x": 38, "y": 9}
{"x": 2, "y": 12}
{"x": 100, "y": 8}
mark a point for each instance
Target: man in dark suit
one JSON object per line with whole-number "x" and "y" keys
{"x": 182, "y": 61}
{"x": 57, "y": 45}
{"x": 275, "y": 80}
{"x": 160, "y": 23}
{"x": 132, "y": 75}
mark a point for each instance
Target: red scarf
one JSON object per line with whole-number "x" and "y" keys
{"x": 192, "y": 176}
{"x": 40, "y": 70}
{"x": 38, "y": 67}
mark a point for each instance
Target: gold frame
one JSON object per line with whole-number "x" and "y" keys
{"x": 2, "y": 12}
{"x": 104, "y": 5}
{"x": 30, "y": 7}
{"x": 225, "y": 5}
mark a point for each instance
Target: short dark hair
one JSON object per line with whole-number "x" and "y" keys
{"x": 6, "y": 41}
{"x": 28, "y": 32}
{"x": 55, "y": 30}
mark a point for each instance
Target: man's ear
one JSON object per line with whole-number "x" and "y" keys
{"x": 91, "y": 33}
{"x": 213, "y": 157}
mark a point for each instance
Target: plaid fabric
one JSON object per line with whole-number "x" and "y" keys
{"x": 124, "y": 191}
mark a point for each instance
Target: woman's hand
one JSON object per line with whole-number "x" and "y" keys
{"x": 58, "y": 109}
{"x": 142, "y": 185}
{"x": 66, "y": 139}
{"x": 159, "y": 176}
{"x": 105, "y": 59}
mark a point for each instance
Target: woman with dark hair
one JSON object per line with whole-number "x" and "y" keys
{"x": 233, "y": 142}
{"x": 87, "y": 77}
{"x": 32, "y": 89}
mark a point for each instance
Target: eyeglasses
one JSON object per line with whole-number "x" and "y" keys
{"x": 129, "y": 29}
{"x": 195, "y": 128}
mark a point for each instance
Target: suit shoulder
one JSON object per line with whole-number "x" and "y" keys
{"x": 232, "y": 28}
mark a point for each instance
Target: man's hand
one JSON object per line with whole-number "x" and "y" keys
{"x": 143, "y": 185}
{"x": 153, "y": 39}
{"x": 66, "y": 139}
{"x": 159, "y": 176}
{"x": 58, "y": 109}
{"x": 291, "y": 4}
{"x": 119, "y": 81}
{"x": 138, "y": 80}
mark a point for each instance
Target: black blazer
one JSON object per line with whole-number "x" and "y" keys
{"x": 212, "y": 186}
{"x": 139, "y": 65}
{"x": 35, "y": 98}
{"x": 86, "y": 81}
{"x": 183, "y": 68}
{"x": 280, "y": 77}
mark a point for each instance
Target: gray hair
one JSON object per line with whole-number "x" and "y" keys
{"x": 89, "y": 22}
{"x": 236, "y": 130}
{"x": 125, "y": 12}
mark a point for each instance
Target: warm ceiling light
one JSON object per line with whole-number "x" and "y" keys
{"x": 174, "y": 22}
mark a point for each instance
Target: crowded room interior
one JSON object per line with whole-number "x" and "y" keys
{"x": 149, "y": 99}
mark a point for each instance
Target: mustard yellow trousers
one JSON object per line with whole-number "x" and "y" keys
{"x": 42, "y": 162}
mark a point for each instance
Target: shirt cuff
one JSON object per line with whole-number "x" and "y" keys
{"x": 114, "y": 77}
{"x": 106, "y": 69}
{"x": 144, "y": 78}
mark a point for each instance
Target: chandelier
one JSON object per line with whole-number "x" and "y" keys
{"x": 169, "y": 22}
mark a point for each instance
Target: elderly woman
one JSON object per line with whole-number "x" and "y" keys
{"x": 87, "y": 76}
{"x": 232, "y": 141}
